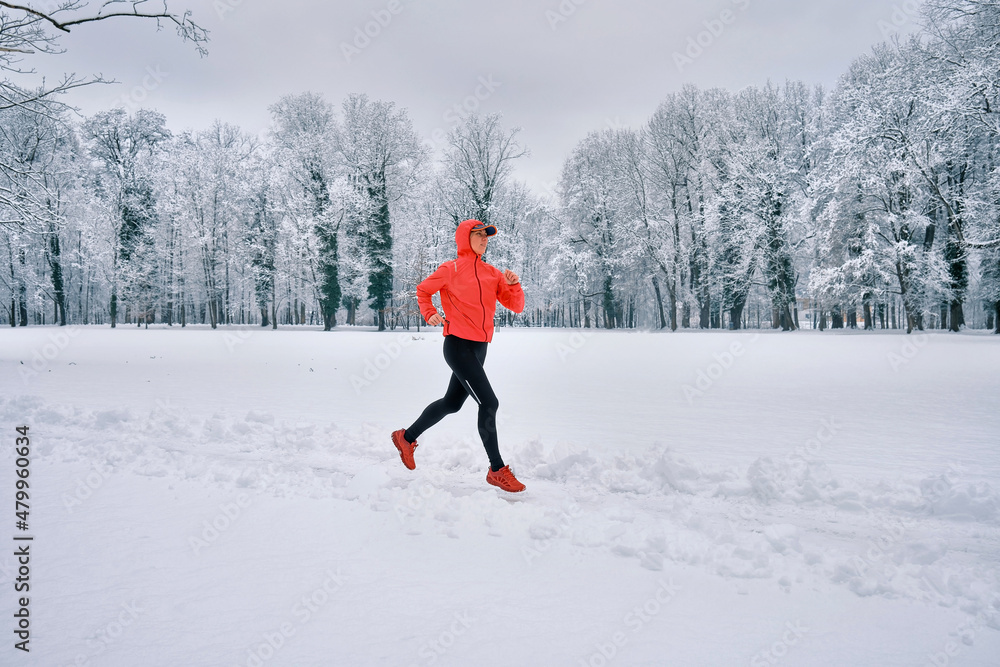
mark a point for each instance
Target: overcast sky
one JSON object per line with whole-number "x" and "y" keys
{"x": 557, "y": 70}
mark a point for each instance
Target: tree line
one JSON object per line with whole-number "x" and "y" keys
{"x": 874, "y": 204}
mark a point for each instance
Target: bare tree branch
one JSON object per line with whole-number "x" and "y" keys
{"x": 186, "y": 27}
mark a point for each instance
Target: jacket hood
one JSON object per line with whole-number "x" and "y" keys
{"x": 462, "y": 238}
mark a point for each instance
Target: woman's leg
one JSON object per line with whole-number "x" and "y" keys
{"x": 466, "y": 359}
{"x": 452, "y": 402}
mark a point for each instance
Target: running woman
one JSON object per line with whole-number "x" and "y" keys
{"x": 470, "y": 289}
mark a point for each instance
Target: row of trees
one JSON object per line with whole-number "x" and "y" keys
{"x": 881, "y": 197}
{"x": 330, "y": 213}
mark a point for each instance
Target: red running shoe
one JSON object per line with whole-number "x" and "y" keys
{"x": 405, "y": 448}
{"x": 504, "y": 479}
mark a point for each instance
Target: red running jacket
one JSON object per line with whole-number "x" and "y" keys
{"x": 470, "y": 289}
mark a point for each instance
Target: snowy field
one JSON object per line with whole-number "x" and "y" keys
{"x": 232, "y": 498}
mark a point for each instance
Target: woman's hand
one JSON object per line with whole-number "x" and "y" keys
{"x": 435, "y": 320}
{"x": 511, "y": 277}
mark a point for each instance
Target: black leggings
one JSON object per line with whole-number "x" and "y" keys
{"x": 465, "y": 357}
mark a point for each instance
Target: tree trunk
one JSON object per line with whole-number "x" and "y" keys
{"x": 168, "y": 313}
{"x": 352, "y": 307}
{"x": 869, "y": 321}
{"x": 736, "y": 314}
{"x": 954, "y": 254}
{"x": 609, "y": 304}
{"x": 785, "y": 318}
{"x": 380, "y": 279}
{"x": 672, "y": 295}
{"x": 957, "y": 315}
{"x": 55, "y": 263}
{"x": 659, "y": 302}
{"x": 22, "y": 289}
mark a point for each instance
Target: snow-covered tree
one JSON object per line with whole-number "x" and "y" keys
{"x": 124, "y": 147}
{"x": 303, "y": 138}
{"x": 594, "y": 233}
{"x": 380, "y": 155}
{"x": 477, "y": 166}
{"x": 213, "y": 207}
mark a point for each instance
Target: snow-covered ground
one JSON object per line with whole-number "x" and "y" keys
{"x": 232, "y": 498}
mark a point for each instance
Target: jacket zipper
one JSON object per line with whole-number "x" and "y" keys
{"x": 480, "y": 285}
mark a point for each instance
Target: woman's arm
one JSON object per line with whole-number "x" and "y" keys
{"x": 509, "y": 292}
{"x": 430, "y": 286}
